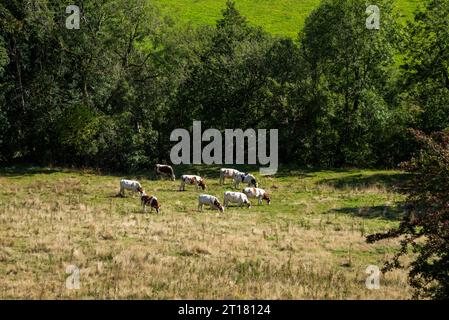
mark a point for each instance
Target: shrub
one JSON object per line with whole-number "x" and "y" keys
{"x": 424, "y": 229}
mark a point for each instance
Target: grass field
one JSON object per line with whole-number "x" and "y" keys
{"x": 309, "y": 244}
{"x": 281, "y": 17}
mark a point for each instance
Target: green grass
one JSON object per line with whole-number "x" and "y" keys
{"x": 309, "y": 244}
{"x": 281, "y": 17}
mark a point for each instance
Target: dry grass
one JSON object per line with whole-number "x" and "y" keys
{"x": 307, "y": 245}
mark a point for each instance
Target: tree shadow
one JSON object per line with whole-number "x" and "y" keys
{"x": 398, "y": 182}
{"x": 386, "y": 212}
{"x": 21, "y": 171}
{"x": 213, "y": 171}
{"x": 210, "y": 171}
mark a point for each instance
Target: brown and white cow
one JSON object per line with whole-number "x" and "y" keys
{"x": 260, "y": 194}
{"x": 162, "y": 169}
{"x": 192, "y": 180}
{"x": 151, "y": 201}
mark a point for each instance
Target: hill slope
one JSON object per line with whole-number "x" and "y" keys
{"x": 281, "y": 17}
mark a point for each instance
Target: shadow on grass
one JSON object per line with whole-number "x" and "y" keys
{"x": 393, "y": 182}
{"x": 21, "y": 171}
{"x": 387, "y": 212}
{"x": 213, "y": 171}
{"x": 306, "y": 172}
{"x": 210, "y": 171}
{"x": 24, "y": 171}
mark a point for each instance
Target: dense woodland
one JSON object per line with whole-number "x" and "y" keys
{"x": 109, "y": 94}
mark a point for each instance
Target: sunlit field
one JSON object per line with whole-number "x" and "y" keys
{"x": 282, "y": 17}
{"x": 308, "y": 244}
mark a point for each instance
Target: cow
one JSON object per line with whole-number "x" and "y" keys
{"x": 165, "y": 170}
{"x": 236, "y": 197}
{"x": 260, "y": 194}
{"x": 227, "y": 173}
{"x": 244, "y": 178}
{"x": 151, "y": 201}
{"x": 209, "y": 200}
{"x": 129, "y": 185}
{"x": 190, "y": 179}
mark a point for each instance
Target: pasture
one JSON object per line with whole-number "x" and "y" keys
{"x": 309, "y": 244}
{"x": 282, "y": 17}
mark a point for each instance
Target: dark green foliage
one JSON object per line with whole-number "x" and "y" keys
{"x": 109, "y": 95}
{"x": 427, "y": 66}
{"x": 424, "y": 229}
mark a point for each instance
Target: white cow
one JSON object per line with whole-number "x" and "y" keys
{"x": 227, "y": 173}
{"x": 236, "y": 197}
{"x": 205, "y": 199}
{"x": 189, "y": 179}
{"x": 245, "y": 178}
{"x": 260, "y": 194}
{"x": 129, "y": 185}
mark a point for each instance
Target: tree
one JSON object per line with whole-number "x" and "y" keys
{"x": 59, "y": 82}
{"x": 424, "y": 229}
{"x": 229, "y": 79}
{"x": 351, "y": 68}
{"x": 426, "y": 67}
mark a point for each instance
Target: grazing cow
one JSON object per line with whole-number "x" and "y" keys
{"x": 129, "y": 185}
{"x": 151, "y": 201}
{"x": 244, "y": 178}
{"x": 257, "y": 193}
{"x": 196, "y": 180}
{"x": 227, "y": 173}
{"x": 165, "y": 170}
{"x": 209, "y": 200}
{"x": 236, "y": 197}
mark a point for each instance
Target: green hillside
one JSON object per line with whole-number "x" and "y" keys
{"x": 281, "y": 17}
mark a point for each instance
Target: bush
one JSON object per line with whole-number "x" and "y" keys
{"x": 424, "y": 229}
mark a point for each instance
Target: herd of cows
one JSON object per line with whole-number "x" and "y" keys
{"x": 239, "y": 198}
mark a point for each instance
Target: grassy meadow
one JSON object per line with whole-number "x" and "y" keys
{"x": 309, "y": 244}
{"x": 282, "y": 17}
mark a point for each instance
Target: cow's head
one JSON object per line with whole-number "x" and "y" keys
{"x": 140, "y": 190}
{"x": 254, "y": 183}
{"x": 202, "y": 183}
{"x": 218, "y": 205}
{"x": 155, "y": 204}
{"x": 248, "y": 203}
{"x": 266, "y": 197}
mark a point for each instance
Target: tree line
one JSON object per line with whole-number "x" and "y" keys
{"x": 109, "y": 94}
